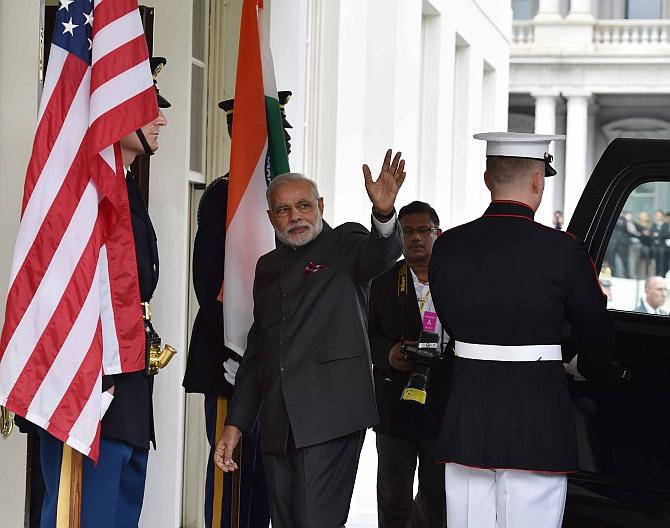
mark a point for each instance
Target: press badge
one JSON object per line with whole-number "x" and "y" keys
{"x": 429, "y": 321}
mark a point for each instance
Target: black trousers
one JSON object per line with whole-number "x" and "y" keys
{"x": 311, "y": 487}
{"x": 396, "y": 506}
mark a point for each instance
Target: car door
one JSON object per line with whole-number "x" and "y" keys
{"x": 624, "y": 426}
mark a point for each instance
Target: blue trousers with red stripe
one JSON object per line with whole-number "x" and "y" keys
{"x": 112, "y": 491}
{"x": 254, "y": 511}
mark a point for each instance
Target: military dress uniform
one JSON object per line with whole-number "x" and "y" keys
{"x": 206, "y": 373}
{"x": 503, "y": 285}
{"x": 113, "y": 491}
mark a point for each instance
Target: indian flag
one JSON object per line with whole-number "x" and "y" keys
{"x": 258, "y": 154}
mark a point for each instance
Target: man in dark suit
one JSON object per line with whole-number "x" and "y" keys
{"x": 308, "y": 357}
{"x": 655, "y": 295}
{"x": 113, "y": 491}
{"x": 400, "y": 307}
{"x": 211, "y": 366}
{"x": 503, "y": 286}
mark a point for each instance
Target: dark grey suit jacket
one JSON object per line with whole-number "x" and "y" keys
{"x": 308, "y": 358}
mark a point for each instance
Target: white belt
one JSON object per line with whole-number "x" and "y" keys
{"x": 508, "y": 352}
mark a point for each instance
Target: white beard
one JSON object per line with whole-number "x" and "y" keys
{"x": 296, "y": 241}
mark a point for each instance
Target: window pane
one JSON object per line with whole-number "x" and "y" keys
{"x": 197, "y": 116}
{"x": 199, "y": 33}
{"x": 643, "y": 8}
{"x": 635, "y": 270}
{"x": 524, "y": 9}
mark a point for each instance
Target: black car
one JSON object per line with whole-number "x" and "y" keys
{"x": 624, "y": 426}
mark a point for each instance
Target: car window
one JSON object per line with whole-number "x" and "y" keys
{"x": 635, "y": 271}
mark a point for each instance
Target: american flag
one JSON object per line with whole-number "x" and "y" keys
{"x": 73, "y": 308}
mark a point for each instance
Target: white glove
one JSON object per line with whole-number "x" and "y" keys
{"x": 571, "y": 368}
{"x": 230, "y": 366}
{"x": 105, "y": 402}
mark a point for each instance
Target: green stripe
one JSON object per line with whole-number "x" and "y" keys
{"x": 276, "y": 143}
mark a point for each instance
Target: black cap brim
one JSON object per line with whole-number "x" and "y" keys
{"x": 162, "y": 101}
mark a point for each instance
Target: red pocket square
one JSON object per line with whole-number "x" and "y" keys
{"x": 313, "y": 267}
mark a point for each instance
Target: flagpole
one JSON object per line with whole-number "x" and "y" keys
{"x": 68, "y": 511}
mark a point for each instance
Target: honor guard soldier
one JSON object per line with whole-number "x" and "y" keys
{"x": 113, "y": 491}
{"x": 503, "y": 286}
{"x": 211, "y": 366}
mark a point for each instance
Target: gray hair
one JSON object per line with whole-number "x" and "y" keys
{"x": 290, "y": 177}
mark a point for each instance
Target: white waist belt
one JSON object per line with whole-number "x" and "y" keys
{"x": 508, "y": 352}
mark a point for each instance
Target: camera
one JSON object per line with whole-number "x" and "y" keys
{"x": 423, "y": 355}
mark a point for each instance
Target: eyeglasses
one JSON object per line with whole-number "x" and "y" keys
{"x": 303, "y": 207}
{"x": 423, "y": 231}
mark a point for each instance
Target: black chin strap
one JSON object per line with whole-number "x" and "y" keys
{"x": 145, "y": 144}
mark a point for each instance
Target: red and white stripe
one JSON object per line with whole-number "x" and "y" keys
{"x": 73, "y": 309}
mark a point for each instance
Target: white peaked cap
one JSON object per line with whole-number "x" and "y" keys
{"x": 520, "y": 145}
{"x": 516, "y": 144}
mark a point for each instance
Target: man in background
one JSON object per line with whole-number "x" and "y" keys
{"x": 655, "y": 295}
{"x": 401, "y": 306}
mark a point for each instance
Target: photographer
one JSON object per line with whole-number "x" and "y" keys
{"x": 400, "y": 308}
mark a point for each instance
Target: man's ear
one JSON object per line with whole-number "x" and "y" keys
{"x": 537, "y": 180}
{"x": 320, "y": 205}
{"x": 269, "y": 212}
{"x": 487, "y": 181}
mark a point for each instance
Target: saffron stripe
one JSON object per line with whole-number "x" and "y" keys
{"x": 250, "y": 132}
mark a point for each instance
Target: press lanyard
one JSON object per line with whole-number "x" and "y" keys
{"x": 423, "y": 301}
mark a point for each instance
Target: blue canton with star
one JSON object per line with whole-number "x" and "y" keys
{"x": 74, "y": 24}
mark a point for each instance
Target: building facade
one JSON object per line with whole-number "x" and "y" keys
{"x": 413, "y": 75}
{"x": 593, "y": 70}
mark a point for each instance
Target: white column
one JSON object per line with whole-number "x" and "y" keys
{"x": 575, "y": 149}
{"x": 545, "y": 123}
{"x": 580, "y": 9}
{"x": 548, "y": 10}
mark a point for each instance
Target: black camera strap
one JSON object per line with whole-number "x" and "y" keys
{"x": 403, "y": 294}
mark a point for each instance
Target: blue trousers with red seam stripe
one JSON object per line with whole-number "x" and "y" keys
{"x": 254, "y": 511}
